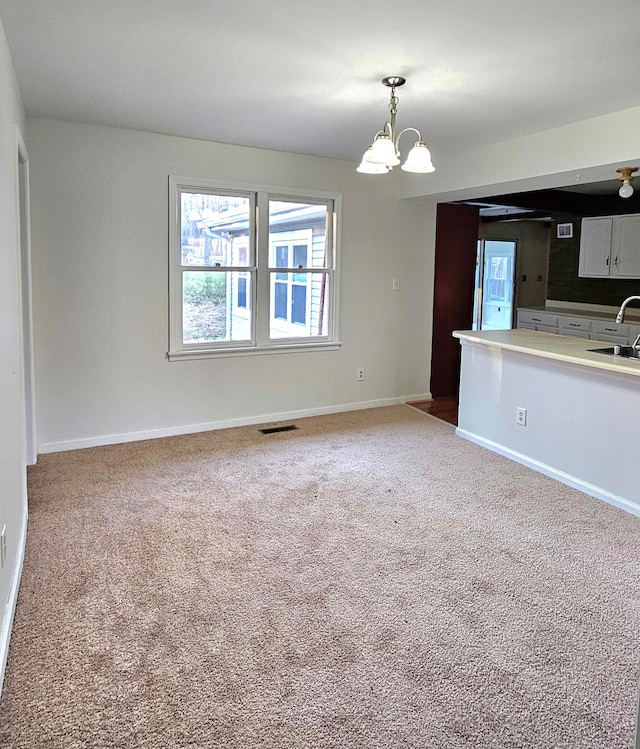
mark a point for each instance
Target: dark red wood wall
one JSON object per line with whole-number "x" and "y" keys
{"x": 455, "y": 267}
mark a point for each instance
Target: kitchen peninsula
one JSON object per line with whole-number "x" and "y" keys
{"x": 549, "y": 402}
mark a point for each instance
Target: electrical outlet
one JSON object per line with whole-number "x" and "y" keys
{"x": 360, "y": 374}
{"x": 3, "y": 545}
{"x": 396, "y": 284}
{"x": 521, "y": 416}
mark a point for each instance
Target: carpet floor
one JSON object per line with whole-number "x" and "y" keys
{"x": 367, "y": 581}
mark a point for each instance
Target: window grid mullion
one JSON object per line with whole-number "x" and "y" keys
{"x": 262, "y": 302}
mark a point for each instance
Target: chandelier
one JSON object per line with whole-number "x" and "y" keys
{"x": 383, "y": 154}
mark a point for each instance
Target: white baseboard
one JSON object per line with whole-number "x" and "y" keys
{"x": 554, "y": 473}
{"x": 114, "y": 439}
{"x": 10, "y": 610}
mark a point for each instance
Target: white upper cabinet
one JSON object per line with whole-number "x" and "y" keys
{"x": 595, "y": 247}
{"x": 610, "y": 247}
{"x": 626, "y": 247}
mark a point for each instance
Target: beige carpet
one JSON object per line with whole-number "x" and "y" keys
{"x": 368, "y": 581}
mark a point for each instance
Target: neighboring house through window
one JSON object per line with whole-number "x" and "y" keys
{"x": 242, "y": 284}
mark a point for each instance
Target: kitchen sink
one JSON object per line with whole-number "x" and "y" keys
{"x": 626, "y": 352}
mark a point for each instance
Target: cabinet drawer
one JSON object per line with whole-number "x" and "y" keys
{"x": 546, "y": 329}
{"x": 537, "y": 318}
{"x": 609, "y": 338}
{"x": 573, "y": 324}
{"x": 602, "y": 327}
{"x": 574, "y": 333}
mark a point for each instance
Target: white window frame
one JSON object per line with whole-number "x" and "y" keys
{"x": 258, "y": 270}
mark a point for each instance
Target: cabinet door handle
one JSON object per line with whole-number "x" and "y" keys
{"x": 615, "y": 262}
{"x": 574, "y": 324}
{"x": 536, "y": 319}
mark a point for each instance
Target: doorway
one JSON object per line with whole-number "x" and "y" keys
{"x": 493, "y": 303}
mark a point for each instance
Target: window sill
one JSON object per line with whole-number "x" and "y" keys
{"x": 251, "y": 351}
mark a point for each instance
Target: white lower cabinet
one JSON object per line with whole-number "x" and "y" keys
{"x": 534, "y": 320}
{"x": 547, "y": 329}
{"x": 611, "y": 339}
{"x": 600, "y": 328}
{"x": 576, "y": 333}
{"x": 578, "y": 327}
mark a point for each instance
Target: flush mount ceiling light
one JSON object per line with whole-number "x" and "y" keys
{"x": 626, "y": 191}
{"x": 383, "y": 154}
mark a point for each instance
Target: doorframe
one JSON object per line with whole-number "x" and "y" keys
{"x": 478, "y": 296}
{"x": 23, "y": 223}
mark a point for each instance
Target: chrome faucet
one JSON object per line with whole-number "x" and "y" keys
{"x": 620, "y": 315}
{"x": 636, "y": 344}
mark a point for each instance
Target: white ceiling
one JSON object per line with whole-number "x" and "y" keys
{"x": 304, "y": 76}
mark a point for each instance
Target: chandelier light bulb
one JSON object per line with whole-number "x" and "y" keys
{"x": 369, "y": 167}
{"x": 383, "y": 151}
{"x": 419, "y": 160}
{"x": 626, "y": 191}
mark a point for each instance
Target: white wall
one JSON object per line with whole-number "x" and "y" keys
{"x": 12, "y": 446}
{"x": 575, "y": 413}
{"x": 586, "y": 151}
{"x": 99, "y": 239}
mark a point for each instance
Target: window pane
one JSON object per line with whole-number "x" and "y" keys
{"x": 280, "y": 299}
{"x": 242, "y": 292}
{"x": 282, "y": 256}
{"x": 301, "y": 228}
{"x": 300, "y": 255}
{"x": 211, "y": 308}
{"x": 214, "y": 229}
{"x": 299, "y": 305}
{"x": 282, "y": 260}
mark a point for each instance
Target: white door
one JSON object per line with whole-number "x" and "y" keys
{"x": 495, "y": 284}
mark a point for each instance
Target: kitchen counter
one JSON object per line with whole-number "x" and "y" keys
{"x": 550, "y": 346}
{"x": 550, "y": 403}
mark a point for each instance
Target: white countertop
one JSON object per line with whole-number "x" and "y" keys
{"x": 551, "y": 346}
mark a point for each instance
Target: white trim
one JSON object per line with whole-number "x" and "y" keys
{"x": 23, "y": 223}
{"x": 292, "y": 348}
{"x": 554, "y": 473}
{"x": 115, "y": 439}
{"x": 12, "y": 600}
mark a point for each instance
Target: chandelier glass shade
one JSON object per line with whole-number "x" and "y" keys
{"x": 383, "y": 154}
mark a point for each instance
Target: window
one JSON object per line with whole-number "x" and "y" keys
{"x": 241, "y": 284}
